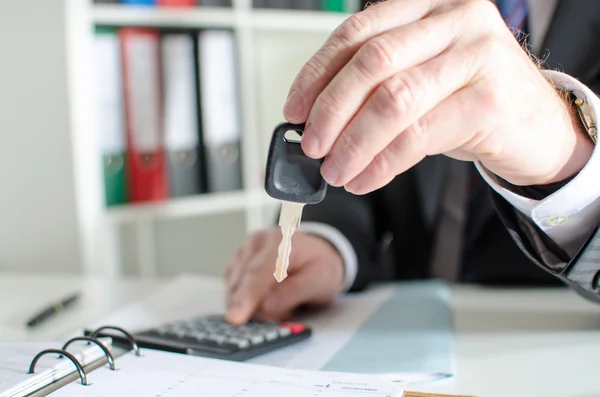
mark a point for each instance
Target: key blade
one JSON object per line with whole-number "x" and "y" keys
{"x": 289, "y": 221}
{"x": 283, "y": 255}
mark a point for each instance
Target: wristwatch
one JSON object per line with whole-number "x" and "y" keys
{"x": 587, "y": 117}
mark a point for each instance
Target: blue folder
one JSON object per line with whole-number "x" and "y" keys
{"x": 412, "y": 332}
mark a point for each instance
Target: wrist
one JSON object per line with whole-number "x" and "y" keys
{"x": 341, "y": 244}
{"x": 578, "y": 145}
{"x": 336, "y": 260}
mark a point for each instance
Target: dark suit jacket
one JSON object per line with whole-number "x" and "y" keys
{"x": 392, "y": 229}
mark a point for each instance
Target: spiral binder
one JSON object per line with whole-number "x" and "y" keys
{"x": 81, "y": 370}
{"x": 162, "y": 373}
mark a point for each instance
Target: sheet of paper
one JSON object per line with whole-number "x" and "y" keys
{"x": 163, "y": 374}
{"x": 404, "y": 331}
{"x": 15, "y": 359}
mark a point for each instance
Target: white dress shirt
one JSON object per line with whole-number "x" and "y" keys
{"x": 568, "y": 216}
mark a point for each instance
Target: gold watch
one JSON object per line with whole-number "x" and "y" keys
{"x": 587, "y": 117}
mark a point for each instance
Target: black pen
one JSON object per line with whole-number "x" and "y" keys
{"x": 52, "y": 310}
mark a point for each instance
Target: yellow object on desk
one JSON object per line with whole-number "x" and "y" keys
{"x": 420, "y": 394}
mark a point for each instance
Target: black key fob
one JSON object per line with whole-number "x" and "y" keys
{"x": 291, "y": 175}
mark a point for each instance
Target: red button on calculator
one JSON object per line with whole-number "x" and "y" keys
{"x": 294, "y": 327}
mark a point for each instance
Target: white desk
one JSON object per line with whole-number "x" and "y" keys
{"x": 524, "y": 343}
{"x": 508, "y": 342}
{"x": 23, "y": 295}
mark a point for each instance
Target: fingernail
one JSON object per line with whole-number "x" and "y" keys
{"x": 235, "y": 312}
{"x": 352, "y": 186}
{"x": 310, "y": 142}
{"x": 330, "y": 172}
{"x": 294, "y": 106}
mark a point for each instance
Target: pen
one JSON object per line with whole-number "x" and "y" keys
{"x": 53, "y": 309}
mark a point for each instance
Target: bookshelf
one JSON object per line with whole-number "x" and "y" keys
{"x": 125, "y": 238}
{"x": 206, "y": 16}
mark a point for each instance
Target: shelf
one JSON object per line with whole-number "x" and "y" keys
{"x": 297, "y": 20}
{"x": 206, "y": 17}
{"x": 207, "y": 204}
{"x": 163, "y": 17}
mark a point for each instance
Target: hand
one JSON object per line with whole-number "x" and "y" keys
{"x": 315, "y": 277}
{"x": 405, "y": 79}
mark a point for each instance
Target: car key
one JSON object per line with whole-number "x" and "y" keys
{"x": 294, "y": 179}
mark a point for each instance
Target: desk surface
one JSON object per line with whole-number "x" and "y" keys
{"x": 514, "y": 342}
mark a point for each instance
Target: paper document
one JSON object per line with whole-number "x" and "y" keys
{"x": 402, "y": 330}
{"x": 162, "y": 374}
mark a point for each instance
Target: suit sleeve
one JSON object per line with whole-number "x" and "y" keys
{"x": 557, "y": 226}
{"x": 356, "y": 219}
{"x": 581, "y": 272}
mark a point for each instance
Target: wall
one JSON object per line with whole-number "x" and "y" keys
{"x": 37, "y": 208}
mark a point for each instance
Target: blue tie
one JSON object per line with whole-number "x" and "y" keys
{"x": 514, "y": 12}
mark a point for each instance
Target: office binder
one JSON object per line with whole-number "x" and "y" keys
{"x": 110, "y": 118}
{"x": 219, "y": 103}
{"x": 185, "y": 157}
{"x": 35, "y": 383}
{"x": 145, "y": 155}
{"x": 215, "y": 3}
{"x": 139, "y": 2}
{"x": 176, "y": 3}
{"x": 124, "y": 370}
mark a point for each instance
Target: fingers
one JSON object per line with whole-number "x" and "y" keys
{"x": 341, "y": 46}
{"x": 235, "y": 267}
{"x": 396, "y": 104}
{"x": 448, "y": 127}
{"x": 254, "y": 281}
{"x": 316, "y": 274}
{"x": 284, "y": 298}
{"x": 311, "y": 285}
{"x": 378, "y": 59}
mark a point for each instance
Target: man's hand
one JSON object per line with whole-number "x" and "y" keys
{"x": 405, "y": 79}
{"x": 316, "y": 273}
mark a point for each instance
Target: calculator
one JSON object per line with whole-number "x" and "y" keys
{"x": 212, "y": 336}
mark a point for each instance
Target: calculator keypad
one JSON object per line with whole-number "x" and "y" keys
{"x": 213, "y": 331}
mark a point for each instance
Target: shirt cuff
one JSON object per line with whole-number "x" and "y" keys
{"x": 569, "y": 215}
{"x": 341, "y": 243}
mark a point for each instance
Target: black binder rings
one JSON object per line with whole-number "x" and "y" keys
{"x": 82, "y": 374}
{"x": 90, "y": 338}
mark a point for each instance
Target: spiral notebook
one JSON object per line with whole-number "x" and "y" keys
{"x": 111, "y": 368}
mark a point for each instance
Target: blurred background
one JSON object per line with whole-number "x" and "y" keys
{"x": 134, "y": 133}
